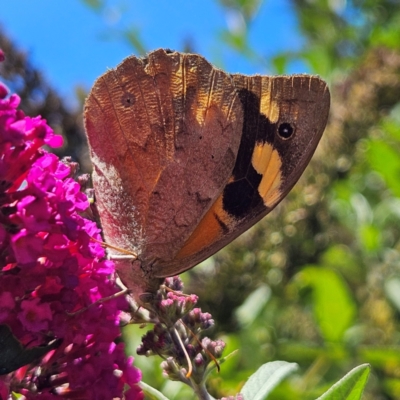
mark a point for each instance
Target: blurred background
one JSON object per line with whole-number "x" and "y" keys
{"x": 316, "y": 282}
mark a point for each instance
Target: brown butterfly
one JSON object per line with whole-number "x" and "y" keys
{"x": 186, "y": 157}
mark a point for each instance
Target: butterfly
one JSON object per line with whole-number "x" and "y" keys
{"x": 186, "y": 157}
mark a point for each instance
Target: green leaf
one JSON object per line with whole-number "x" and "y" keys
{"x": 320, "y": 60}
{"x": 387, "y": 34}
{"x": 253, "y": 305}
{"x": 350, "y": 387}
{"x": 383, "y": 358}
{"x": 391, "y": 387}
{"x": 266, "y": 378}
{"x": 151, "y": 392}
{"x": 392, "y": 289}
{"x": 384, "y": 158}
{"x": 133, "y": 37}
{"x": 342, "y": 259}
{"x": 334, "y": 307}
{"x": 391, "y": 126}
{"x": 236, "y": 40}
{"x": 280, "y": 63}
{"x": 370, "y": 237}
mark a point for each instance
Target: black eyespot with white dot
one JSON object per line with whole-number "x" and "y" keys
{"x": 286, "y": 130}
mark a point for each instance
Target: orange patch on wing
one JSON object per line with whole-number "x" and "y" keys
{"x": 206, "y": 232}
{"x": 267, "y": 162}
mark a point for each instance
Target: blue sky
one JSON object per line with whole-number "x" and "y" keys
{"x": 73, "y": 45}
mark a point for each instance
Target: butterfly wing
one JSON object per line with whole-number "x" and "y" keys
{"x": 284, "y": 118}
{"x": 163, "y": 134}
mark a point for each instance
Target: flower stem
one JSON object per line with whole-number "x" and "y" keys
{"x": 201, "y": 391}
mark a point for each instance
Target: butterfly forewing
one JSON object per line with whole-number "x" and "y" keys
{"x": 164, "y": 134}
{"x": 204, "y": 152}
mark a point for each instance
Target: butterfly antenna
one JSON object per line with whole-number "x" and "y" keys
{"x": 110, "y": 246}
{"x": 177, "y": 292}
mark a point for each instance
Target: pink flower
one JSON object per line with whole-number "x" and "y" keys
{"x": 3, "y": 88}
{"x": 52, "y": 274}
{"x": 169, "y": 307}
{"x": 35, "y": 316}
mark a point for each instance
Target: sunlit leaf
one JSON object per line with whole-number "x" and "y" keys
{"x": 280, "y": 63}
{"x": 334, "y": 307}
{"x": 341, "y": 258}
{"x": 392, "y": 387}
{"x": 392, "y": 289}
{"x": 370, "y": 237}
{"x": 385, "y": 160}
{"x": 387, "y": 34}
{"x": 237, "y": 41}
{"x": 264, "y": 380}
{"x": 320, "y": 61}
{"x": 350, "y": 387}
{"x": 381, "y": 357}
{"x": 133, "y": 37}
{"x": 253, "y": 305}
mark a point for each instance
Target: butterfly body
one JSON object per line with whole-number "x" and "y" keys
{"x": 187, "y": 157}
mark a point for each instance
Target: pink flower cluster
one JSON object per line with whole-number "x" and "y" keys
{"x": 49, "y": 270}
{"x": 178, "y": 325}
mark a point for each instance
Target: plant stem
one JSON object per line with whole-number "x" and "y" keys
{"x": 201, "y": 391}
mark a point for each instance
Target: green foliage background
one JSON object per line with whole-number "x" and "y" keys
{"x": 317, "y": 282}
